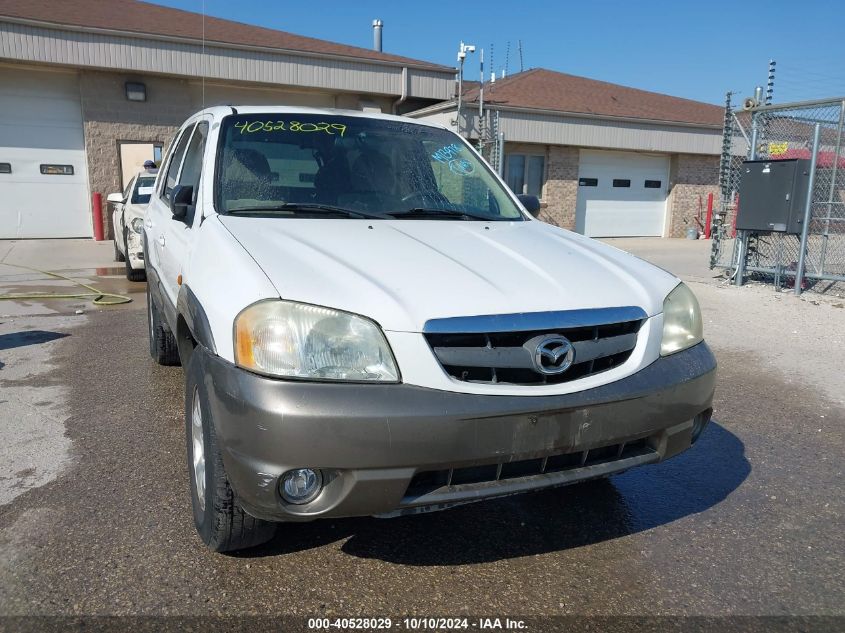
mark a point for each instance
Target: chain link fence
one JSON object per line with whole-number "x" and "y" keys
{"x": 783, "y": 132}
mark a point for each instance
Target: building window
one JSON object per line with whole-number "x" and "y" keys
{"x": 57, "y": 170}
{"x": 526, "y": 173}
{"x": 5, "y": 168}
{"x": 588, "y": 182}
{"x": 652, "y": 184}
{"x": 621, "y": 182}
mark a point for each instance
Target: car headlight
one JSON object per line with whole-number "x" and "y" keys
{"x": 682, "y": 324}
{"x": 298, "y": 340}
{"x": 137, "y": 224}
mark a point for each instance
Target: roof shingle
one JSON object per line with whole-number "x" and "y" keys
{"x": 542, "y": 89}
{"x": 150, "y": 19}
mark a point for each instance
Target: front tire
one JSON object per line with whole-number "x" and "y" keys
{"x": 220, "y": 522}
{"x": 163, "y": 348}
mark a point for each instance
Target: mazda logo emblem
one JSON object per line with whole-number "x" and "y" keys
{"x": 554, "y": 355}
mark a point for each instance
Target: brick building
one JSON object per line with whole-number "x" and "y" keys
{"x": 604, "y": 159}
{"x": 89, "y": 89}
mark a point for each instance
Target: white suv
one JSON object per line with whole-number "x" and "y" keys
{"x": 371, "y": 323}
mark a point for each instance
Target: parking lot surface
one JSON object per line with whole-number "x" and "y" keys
{"x": 95, "y": 516}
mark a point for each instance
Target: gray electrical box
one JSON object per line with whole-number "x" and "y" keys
{"x": 772, "y": 195}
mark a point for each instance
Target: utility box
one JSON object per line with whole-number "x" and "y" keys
{"x": 773, "y": 194}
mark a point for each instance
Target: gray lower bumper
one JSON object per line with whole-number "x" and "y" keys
{"x": 371, "y": 440}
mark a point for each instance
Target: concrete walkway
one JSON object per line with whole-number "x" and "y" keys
{"x": 57, "y": 255}
{"x": 688, "y": 259}
{"x": 81, "y": 260}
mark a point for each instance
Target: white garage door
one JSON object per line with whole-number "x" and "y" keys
{"x": 43, "y": 175}
{"x": 621, "y": 194}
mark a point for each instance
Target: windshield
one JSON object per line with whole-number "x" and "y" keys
{"x": 143, "y": 189}
{"x": 377, "y": 168}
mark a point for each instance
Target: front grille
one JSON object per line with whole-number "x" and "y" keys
{"x": 506, "y": 357}
{"x": 428, "y": 481}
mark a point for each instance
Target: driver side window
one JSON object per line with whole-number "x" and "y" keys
{"x": 175, "y": 162}
{"x": 190, "y": 175}
{"x": 192, "y": 166}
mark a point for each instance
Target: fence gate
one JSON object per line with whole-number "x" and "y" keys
{"x": 780, "y": 132}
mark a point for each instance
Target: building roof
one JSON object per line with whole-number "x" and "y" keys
{"x": 541, "y": 89}
{"x": 142, "y": 18}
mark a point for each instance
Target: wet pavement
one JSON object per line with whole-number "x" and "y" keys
{"x": 748, "y": 522}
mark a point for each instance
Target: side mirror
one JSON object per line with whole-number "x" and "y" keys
{"x": 181, "y": 200}
{"x": 531, "y": 203}
{"x": 115, "y": 198}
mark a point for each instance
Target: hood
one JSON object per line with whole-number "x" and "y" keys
{"x": 402, "y": 273}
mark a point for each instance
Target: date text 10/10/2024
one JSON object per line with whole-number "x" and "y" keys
{"x": 418, "y": 624}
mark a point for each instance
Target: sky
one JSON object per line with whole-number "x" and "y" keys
{"x": 697, "y": 50}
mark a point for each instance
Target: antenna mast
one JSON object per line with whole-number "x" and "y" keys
{"x": 481, "y": 87}
{"x": 507, "y": 60}
{"x": 203, "y": 54}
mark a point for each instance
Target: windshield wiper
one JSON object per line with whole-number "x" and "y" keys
{"x": 422, "y": 212}
{"x": 307, "y": 207}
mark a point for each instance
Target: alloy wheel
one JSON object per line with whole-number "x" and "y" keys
{"x": 198, "y": 450}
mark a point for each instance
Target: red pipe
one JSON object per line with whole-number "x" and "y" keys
{"x": 97, "y": 212}
{"x": 709, "y": 218}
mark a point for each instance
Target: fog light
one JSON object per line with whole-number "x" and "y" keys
{"x": 301, "y": 485}
{"x": 698, "y": 424}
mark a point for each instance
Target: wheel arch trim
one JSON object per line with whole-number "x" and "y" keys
{"x": 189, "y": 308}
{"x": 166, "y": 308}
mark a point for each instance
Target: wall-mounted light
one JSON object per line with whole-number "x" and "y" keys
{"x": 136, "y": 91}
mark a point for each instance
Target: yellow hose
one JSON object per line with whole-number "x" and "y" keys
{"x": 100, "y": 298}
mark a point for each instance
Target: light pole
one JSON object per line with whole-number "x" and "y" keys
{"x": 463, "y": 49}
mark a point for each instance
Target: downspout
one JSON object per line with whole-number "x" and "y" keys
{"x": 404, "y": 96}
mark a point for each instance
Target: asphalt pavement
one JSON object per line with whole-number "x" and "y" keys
{"x": 747, "y": 522}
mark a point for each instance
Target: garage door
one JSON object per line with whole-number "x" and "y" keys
{"x": 621, "y": 194}
{"x": 43, "y": 175}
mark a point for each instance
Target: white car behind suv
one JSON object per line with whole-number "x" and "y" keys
{"x": 371, "y": 323}
{"x": 128, "y": 221}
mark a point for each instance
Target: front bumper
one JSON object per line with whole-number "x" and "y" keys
{"x": 134, "y": 249}
{"x": 374, "y": 441}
